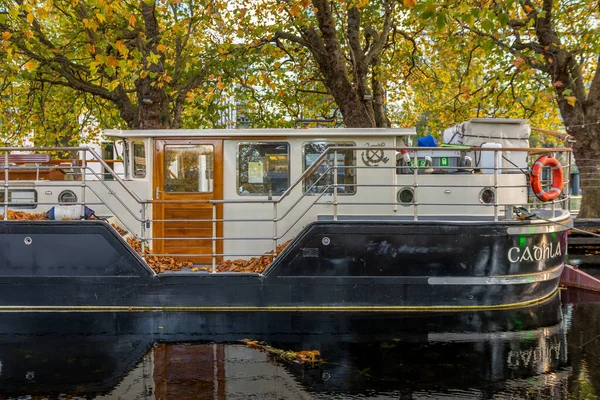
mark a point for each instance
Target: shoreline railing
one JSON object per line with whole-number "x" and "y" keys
{"x": 329, "y": 159}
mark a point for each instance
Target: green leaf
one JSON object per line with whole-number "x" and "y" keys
{"x": 503, "y": 19}
{"x": 441, "y": 20}
{"x": 487, "y": 25}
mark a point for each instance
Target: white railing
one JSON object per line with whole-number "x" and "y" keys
{"x": 329, "y": 196}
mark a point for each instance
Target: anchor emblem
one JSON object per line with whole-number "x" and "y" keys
{"x": 372, "y": 157}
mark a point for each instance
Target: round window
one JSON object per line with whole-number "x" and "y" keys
{"x": 67, "y": 196}
{"x": 405, "y": 196}
{"x": 487, "y": 196}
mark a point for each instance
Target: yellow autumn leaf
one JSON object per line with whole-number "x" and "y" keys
{"x": 30, "y": 18}
{"x": 121, "y": 47}
{"x": 161, "y": 47}
{"x": 220, "y": 85}
{"x": 112, "y": 85}
{"x": 91, "y": 48}
{"x": 132, "y": 20}
{"x": 295, "y": 10}
{"x": 112, "y": 61}
{"x": 527, "y": 8}
{"x": 6, "y": 35}
{"x": 100, "y": 17}
{"x": 362, "y": 3}
{"x": 30, "y": 65}
{"x": 410, "y": 3}
{"x": 571, "y": 100}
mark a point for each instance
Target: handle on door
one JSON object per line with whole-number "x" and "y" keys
{"x": 156, "y": 193}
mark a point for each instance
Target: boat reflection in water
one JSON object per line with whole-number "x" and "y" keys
{"x": 525, "y": 353}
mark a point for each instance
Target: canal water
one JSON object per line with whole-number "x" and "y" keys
{"x": 548, "y": 351}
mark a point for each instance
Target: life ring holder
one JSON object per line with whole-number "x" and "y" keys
{"x": 535, "y": 178}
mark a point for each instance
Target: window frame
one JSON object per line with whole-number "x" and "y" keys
{"x": 334, "y": 143}
{"x": 237, "y": 166}
{"x": 164, "y": 179}
{"x": 133, "y": 170}
{"x": 21, "y": 206}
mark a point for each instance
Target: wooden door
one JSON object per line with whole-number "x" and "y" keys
{"x": 187, "y": 175}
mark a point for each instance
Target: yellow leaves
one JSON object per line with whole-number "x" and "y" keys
{"x": 295, "y": 10}
{"x": 112, "y": 85}
{"x": 466, "y": 92}
{"x": 90, "y": 24}
{"x": 527, "y": 8}
{"x": 143, "y": 74}
{"x": 409, "y": 3}
{"x": 571, "y": 100}
{"x": 362, "y": 3}
{"x": 100, "y": 17}
{"x": 30, "y": 18}
{"x": 6, "y": 35}
{"x": 190, "y": 97}
{"x": 132, "y": 20}
{"x": 112, "y": 61}
{"x": 220, "y": 85}
{"x": 28, "y": 34}
{"x": 121, "y": 47}
{"x": 30, "y": 65}
{"x": 91, "y": 48}
{"x": 153, "y": 58}
{"x": 161, "y": 47}
{"x": 519, "y": 63}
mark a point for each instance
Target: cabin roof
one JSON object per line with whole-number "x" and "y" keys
{"x": 247, "y": 133}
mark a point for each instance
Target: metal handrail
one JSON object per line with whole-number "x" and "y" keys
{"x": 303, "y": 177}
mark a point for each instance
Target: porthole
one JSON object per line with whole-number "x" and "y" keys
{"x": 67, "y": 196}
{"x": 487, "y": 196}
{"x": 405, "y": 196}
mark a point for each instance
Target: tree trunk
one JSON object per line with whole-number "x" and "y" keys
{"x": 587, "y": 157}
{"x": 151, "y": 105}
{"x": 381, "y": 119}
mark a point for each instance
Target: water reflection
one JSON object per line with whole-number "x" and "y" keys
{"x": 547, "y": 351}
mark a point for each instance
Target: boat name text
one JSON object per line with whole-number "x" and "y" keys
{"x": 534, "y": 253}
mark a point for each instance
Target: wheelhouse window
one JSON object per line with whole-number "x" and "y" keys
{"x": 322, "y": 178}
{"x": 20, "y": 198}
{"x": 263, "y": 168}
{"x": 139, "y": 159}
{"x": 108, "y": 155}
{"x": 189, "y": 168}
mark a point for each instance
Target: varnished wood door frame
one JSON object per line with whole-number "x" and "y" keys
{"x": 181, "y": 198}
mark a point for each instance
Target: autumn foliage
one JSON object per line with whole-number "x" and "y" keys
{"x": 163, "y": 263}
{"x": 24, "y": 216}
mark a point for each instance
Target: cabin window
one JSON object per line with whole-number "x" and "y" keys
{"x": 108, "y": 155}
{"x": 139, "y": 160}
{"x": 189, "y": 168}
{"x": 263, "y": 168}
{"x": 20, "y": 198}
{"x": 322, "y": 178}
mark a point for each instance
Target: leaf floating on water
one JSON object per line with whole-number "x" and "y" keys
{"x": 305, "y": 356}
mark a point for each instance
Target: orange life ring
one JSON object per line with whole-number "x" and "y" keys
{"x": 535, "y": 179}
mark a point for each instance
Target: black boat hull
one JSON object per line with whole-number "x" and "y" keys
{"x": 341, "y": 265}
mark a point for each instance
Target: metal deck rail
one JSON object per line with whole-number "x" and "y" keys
{"x": 328, "y": 197}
